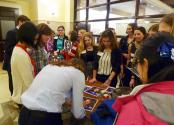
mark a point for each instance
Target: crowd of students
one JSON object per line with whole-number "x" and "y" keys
{"x": 40, "y": 85}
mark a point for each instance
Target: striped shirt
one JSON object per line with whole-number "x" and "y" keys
{"x": 105, "y": 66}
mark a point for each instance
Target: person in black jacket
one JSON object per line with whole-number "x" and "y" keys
{"x": 11, "y": 41}
{"x": 125, "y": 41}
{"x": 108, "y": 60}
{"x": 88, "y": 54}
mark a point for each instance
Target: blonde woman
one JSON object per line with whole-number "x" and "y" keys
{"x": 80, "y": 38}
{"x": 88, "y": 54}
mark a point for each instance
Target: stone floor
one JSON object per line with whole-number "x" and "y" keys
{"x": 8, "y": 111}
{"x": 4, "y": 91}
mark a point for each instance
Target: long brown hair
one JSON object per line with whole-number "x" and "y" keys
{"x": 75, "y": 62}
{"x": 108, "y": 33}
{"x": 43, "y": 29}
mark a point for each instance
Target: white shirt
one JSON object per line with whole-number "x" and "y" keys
{"x": 50, "y": 88}
{"x": 22, "y": 73}
{"x": 105, "y": 66}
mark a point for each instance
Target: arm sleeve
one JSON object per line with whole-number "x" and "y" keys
{"x": 96, "y": 60}
{"x": 10, "y": 42}
{"x": 116, "y": 61}
{"x": 54, "y": 45}
{"x": 25, "y": 69}
{"x": 78, "y": 88}
{"x": 81, "y": 56}
{"x": 123, "y": 45}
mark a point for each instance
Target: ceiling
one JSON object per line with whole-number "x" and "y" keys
{"x": 168, "y": 2}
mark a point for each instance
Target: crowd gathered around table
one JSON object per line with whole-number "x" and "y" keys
{"x": 125, "y": 82}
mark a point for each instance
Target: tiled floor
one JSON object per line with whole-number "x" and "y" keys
{"x": 4, "y": 91}
{"x": 7, "y": 112}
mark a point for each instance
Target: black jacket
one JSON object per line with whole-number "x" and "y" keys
{"x": 11, "y": 41}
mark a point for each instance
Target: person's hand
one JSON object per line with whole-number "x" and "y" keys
{"x": 55, "y": 53}
{"x": 62, "y": 51}
{"x": 104, "y": 85}
{"x": 87, "y": 79}
{"x": 107, "y": 83}
{"x": 132, "y": 83}
{"x": 93, "y": 80}
{"x": 68, "y": 101}
{"x": 122, "y": 74}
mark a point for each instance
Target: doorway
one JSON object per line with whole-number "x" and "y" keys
{"x": 7, "y": 22}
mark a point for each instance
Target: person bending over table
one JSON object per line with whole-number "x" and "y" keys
{"x": 42, "y": 102}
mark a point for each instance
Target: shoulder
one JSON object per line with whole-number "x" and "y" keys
{"x": 116, "y": 50}
{"x": 95, "y": 48}
{"x": 19, "y": 54}
{"x": 12, "y": 32}
{"x": 83, "y": 52}
{"x": 56, "y": 37}
{"x": 75, "y": 72}
{"x": 124, "y": 39}
{"x": 66, "y": 37}
{"x": 99, "y": 53}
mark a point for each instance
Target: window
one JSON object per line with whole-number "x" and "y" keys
{"x": 114, "y": 0}
{"x": 97, "y": 27}
{"x": 81, "y": 4}
{"x": 96, "y": 2}
{"x": 120, "y": 26}
{"x": 122, "y": 9}
{"x": 147, "y": 22}
{"x": 81, "y": 15}
{"x": 149, "y": 7}
{"x": 97, "y": 13}
{"x": 80, "y": 25}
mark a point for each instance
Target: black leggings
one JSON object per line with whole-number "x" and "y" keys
{"x": 33, "y": 117}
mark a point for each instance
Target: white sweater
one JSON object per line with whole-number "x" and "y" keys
{"x": 22, "y": 73}
{"x": 52, "y": 86}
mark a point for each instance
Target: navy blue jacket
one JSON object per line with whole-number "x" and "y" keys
{"x": 11, "y": 41}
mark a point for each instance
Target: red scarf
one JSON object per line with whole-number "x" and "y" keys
{"x": 32, "y": 61}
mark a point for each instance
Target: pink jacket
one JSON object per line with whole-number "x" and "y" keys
{"x": 132, "y": 111}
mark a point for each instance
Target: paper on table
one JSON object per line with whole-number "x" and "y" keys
{"x": 89, "y": 103}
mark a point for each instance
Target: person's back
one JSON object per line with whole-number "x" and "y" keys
{"x": 21, "y": 67}
{"x": 52, "y": 86}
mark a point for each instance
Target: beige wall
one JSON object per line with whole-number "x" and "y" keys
{"x": 56, "y": 12}
{"x": 25, "y": 7}
{"x": 41, "y": 11}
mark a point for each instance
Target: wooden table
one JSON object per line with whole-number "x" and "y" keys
{"x": 100, "y": 99}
